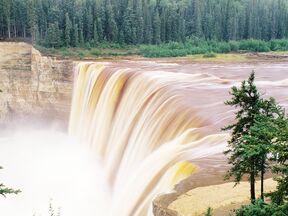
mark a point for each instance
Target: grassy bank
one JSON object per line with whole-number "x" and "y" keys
{"x": 87, "y": 53}
{"x": 195, "y": 47}
{"x": 199, "y": 48}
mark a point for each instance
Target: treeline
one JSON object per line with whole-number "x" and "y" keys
{"x": 57, "y": 23}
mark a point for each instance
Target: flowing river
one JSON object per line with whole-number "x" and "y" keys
{"x": 135, "y": 129}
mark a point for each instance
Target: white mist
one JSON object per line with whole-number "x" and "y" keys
{"x": 49, "y": 167}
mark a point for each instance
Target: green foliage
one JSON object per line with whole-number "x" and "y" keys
{"x": 5, "y": 190}
{"x": 242, "y": 153}
{"x": 262, "y": 209}
{"x": 149, "y": 22}
{"x": 254, "y": 45}
{"x": 67, "y": 31}
{"x": 199, "y": 46}
{"x": 210, "y": 55}
{"x": 53, "y": 36}
{"x": 209, "y": 212}
{"x": 280, "y": 159}
{"x": 260, "y": 130}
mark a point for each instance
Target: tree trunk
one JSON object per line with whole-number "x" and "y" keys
{"x": 262, "y": 179}
{"x": 15, "y": 31}
{"x": 252, "y": 187}
{"x": 9, "y": 31}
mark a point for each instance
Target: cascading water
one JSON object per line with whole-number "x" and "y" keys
{"x": 141, "y": 125}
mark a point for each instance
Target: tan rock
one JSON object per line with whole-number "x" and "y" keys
{"x": 33, "y": 85}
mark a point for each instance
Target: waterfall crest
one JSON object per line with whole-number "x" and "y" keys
{"x": 142, "y": 127}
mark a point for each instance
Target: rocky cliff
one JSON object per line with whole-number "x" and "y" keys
{"x": 33, "y": 85}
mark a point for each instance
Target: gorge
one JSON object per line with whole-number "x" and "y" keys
{"x": 147, "y": 123}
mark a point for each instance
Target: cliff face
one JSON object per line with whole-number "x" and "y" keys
{"x": 33, "y": 85}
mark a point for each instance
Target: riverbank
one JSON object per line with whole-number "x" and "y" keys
{"x": 194, "y": 49}
{"x": 222, "y": 199}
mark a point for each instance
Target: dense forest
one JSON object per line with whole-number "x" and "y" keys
{"x": 72, "y": 23}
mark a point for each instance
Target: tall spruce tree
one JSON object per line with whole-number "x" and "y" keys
{"x": 247, "y": 100}
{"x": 280, "y": 159}
{"x": 67, "y": 32}
{"x": 53, "y": 38}
{"x": 262, "y": 136}
{"x": 156, "y": 28}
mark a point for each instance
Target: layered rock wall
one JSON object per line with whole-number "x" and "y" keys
{"x": 33, "y": 85}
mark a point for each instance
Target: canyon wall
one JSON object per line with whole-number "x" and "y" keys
{"x": 32, "y": 85}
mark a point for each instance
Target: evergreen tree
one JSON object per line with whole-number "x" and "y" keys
{"x": 196, "y": 19}
{"x": 247, "y": 100}
{"x": 95, "y": 33}
{"x": 68, "y": 28}
{"x": 261, "y": 137}
{"x": 156, "y": 28}
{"x": 138, "y": 21}
{"x": 7, "y": 16}
{"x": 75, "y": 35}
{"x": 32, "y": 19}
{"x": 88, "y": 27}
{"x": 111, "y": 30}
{"x": 53, "y": 38}
{"x": 280, "y": 158}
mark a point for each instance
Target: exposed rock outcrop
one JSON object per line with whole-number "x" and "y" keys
{"x": 161, "y": 203}
{"x": 33, "y": 85}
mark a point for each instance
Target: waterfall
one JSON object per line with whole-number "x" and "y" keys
{"x": 143, "y": 127}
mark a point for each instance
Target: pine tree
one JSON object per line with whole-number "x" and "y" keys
{"x": 196, "y": 19}
{"x": 53, "y": 38}
{"x": 156, "y": 28}
{"x": 260, "y": 138}
{"x": 280, "y": 159}
{"x": 99, "y": 19}
{"x": 75, "y": 35}
{"x": 32, "y": 19}
{"x": 111, "y": 30}
{"x": 247, "y": 100}
{"x": 128, "y": 26}
{"x": 95, "y": 33}
{"x": 7, "y": 15}
{"x": 88, "y": 27}
{"x": 67, "y": 33}
{"x": 81, "y": 36}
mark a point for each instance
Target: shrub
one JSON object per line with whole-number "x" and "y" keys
{"x": 254, "y": 45}
{"x": 261, "y": 208}
{"x": 209, "y": 55}
{"x": 279, "y": 45}
{"x": 234, "y": 46}
{"x": 95, "y": 53}
{"x": 209, "y": 212}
